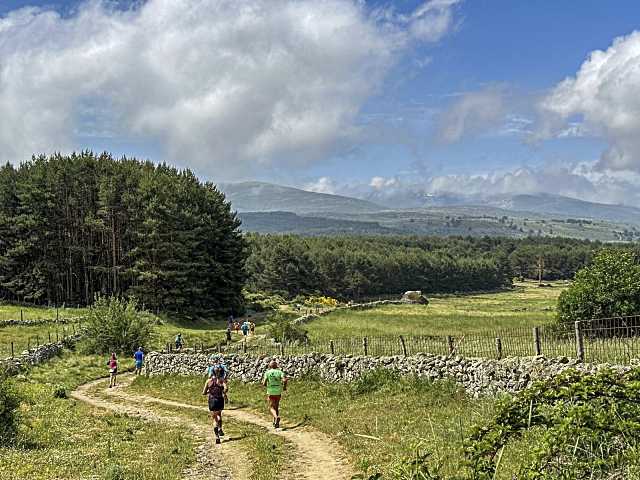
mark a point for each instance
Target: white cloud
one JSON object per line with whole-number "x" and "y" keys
{"x": 605, "y": 95}
{"x": 322, "y": 185}
{"x": 582, "y": 181}
{"x": 221, "y": 85}
{"x": 472, "y": 113}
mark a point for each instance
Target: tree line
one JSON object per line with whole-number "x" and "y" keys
{"x": 74, "y": 226}
{"x": 360, "y": 266}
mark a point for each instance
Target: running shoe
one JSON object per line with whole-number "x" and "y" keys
{"x": 216, "y": 431}
{"x": 218, "y": 441}
{"x": 220, "y": 432}
{"x": 276, "y": 424}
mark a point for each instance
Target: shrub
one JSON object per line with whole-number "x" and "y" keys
{"x": 261, "y": 302}
{"x": 116, "y": 325}
{"x": 588, "y": 427}
{"x": 281, "y": 327}
{"x": 9, "y": 403}
{"x": 320, "y": 301}
{"x": 608, "y": 287}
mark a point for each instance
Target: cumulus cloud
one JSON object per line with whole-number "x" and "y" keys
{"x": 220, "y": 85}
{"x": 605, "y": 95}
{"x": 472, "y": 113}
{"x": 582, "y": 181}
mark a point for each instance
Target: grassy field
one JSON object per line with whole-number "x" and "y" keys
{"x": 380, "y": 421}
{"x": 12, "y": 312}
{"x": 527, "y": 305}
{"x": 60, "y": 438}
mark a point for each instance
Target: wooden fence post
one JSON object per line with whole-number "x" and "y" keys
{"x": 244, "y": 346}
{"x": 21, "y": 317}
{"x": 365, "y": 346}
{"x": 332, "y": 347}
{"x": 37, "y": 341}
{"x": 57, "y": 338}
{"x": 450, "y": 344}
{"x": 282, "y": 348}
{"x": 499, "y": 347}
{"x": 57, "y": 314}
{"x": 29, "y": 343}
{"x": 579, "y": 341}
{"x": 11, "y": 349}
{"x": 404, "y": 346}
{"x": 49, "y": 336}
{"x": 536, "y": 340}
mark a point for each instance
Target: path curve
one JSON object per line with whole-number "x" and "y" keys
{"x": 317, "y": 455}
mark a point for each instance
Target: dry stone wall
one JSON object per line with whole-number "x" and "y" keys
{"x": 477, "y": 376}
{"x": 37, "y": 355}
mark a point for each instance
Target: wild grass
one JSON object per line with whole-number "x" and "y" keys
{"x": 378, "y": 420}
{"x": 12, "y": 312}
{"x": 60, "y": 438}
{"x": 527, "y": 305}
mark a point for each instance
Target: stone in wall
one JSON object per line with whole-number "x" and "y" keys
{"x": 477, "y": 376}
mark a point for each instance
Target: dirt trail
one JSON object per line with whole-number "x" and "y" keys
{"x": 317, "y": 456}
{"x": 208, "y": 464}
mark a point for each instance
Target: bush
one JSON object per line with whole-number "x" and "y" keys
{"x": 281, "y": 327}
{"x": 116, "y": 325}
{"x": 260, "y": 302}
{"x": 608, "y": 287}
{"x": 587, "y": 427}
{"x": 9, "y": 403}
{"x": 320, "y": 301}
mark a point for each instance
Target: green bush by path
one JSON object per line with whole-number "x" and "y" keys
{"x": 116, "y": 325}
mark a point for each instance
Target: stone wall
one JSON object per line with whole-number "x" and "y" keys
{"x": 477, "y": 376}
{"x": 37, "y": 355}
{"x": 41, "y": 321}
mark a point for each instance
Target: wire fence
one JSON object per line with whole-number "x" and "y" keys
{"x": 611, "y": 340}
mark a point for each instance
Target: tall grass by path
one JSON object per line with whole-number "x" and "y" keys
{"x": 61, "y": 438}
{"x": 379, "y": 420}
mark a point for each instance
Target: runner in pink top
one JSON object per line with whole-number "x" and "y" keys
{"x": 113, "y": 370}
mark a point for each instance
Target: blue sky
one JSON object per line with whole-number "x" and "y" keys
{"x": 424, "y": 95}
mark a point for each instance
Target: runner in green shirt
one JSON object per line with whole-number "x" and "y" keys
{"x": 276, "y": 383}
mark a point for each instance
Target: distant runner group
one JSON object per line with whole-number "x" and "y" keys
{"x": 216, "y": 386}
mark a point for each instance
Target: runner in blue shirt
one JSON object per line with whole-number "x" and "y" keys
{"x": 139, "y": 358}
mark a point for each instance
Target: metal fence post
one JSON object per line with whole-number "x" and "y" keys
{"x": 536, "y": 340}
{"x": 450, "y": 344}
{"x": 404, "y": 346}
{"x": 365, "y": 346}
{"x": 499, "y": 347}
{"x": 579, "y": 341}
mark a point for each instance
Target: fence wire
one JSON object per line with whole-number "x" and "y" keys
{"x": 610, "y": 340}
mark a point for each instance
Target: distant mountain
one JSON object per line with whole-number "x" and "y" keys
{"x": 268, "y": 197}
{"x": 566, "y": 207}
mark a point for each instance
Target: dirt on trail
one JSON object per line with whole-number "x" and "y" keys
{"x": 316, "y": 455}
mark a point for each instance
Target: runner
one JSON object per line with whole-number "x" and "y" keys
{"x": 179, "y": 342}
{"x": 216, "y": 388}
{"x": 236, "y": 327}
{"x": 113, "y": 370}
{"x": 245, "y": 328}
{"x": 252, "y": 328}
{"x": 139, "y": 358}
{"x": 216, "y": 364}
{"x": 276, "y": 383}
